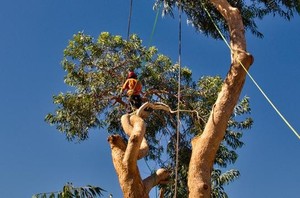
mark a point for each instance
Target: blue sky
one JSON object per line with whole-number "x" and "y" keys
{"x": 35, "y": 157}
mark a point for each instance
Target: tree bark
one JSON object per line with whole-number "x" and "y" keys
{"x": 125, "y": 158}
{"x": 205, "y": 146}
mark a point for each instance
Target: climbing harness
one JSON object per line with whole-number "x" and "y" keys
{"x": 134, "y": 101}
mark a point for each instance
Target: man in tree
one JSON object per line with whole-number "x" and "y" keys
{"x": 85, "y": 58}
{"x": 95, "y": 88}
{"x": 134, "y": 88}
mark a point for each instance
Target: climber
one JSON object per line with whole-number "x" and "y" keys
{"x": 134, "y": 88}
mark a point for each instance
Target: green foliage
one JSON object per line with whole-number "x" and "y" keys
{"x": 219, "y": 180}
{"x": 96, "y": 70}
{"x": 250, "y": 11}
{"x": 69, "y": 191}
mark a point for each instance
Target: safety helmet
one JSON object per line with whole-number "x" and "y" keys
{"x": 131, "y": 74}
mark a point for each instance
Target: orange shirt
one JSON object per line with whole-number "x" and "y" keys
{"x": 133, "y": 86}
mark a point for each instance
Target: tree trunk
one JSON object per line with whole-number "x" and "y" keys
{"x": 205, "y": 146}
{"x": 125, "y": 159}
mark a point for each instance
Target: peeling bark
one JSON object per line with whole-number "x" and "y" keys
{"x": 205, "y": 146}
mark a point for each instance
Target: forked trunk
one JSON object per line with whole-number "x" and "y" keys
{"x": 125, "y": 158}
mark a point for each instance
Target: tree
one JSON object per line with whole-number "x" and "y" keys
{"x": 234, "y": 17}
{"x": 95, "y": 70}
{"x": 95, "y": 78}
{"x": 69, "y": 191}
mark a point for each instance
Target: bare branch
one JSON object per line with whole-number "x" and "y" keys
{"x": 144, "y": 148}
{"x": 159, "y": 177}
{"x": 135, "y": 139}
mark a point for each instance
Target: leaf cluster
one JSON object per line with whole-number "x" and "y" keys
{"x": 96, "y": 71}
{"x": 250, "y": 11}
{"x": 220, "y": 180}
{"x": 69, "y": 191}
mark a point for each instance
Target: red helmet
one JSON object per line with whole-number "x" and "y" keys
{"x": 131, "y": 74}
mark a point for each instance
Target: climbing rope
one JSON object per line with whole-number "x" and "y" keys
{"x": 154, "y": 25}
{"x": 252, "y": 79}
{"x": 178, "y": 100}
{"x": 150, "y": 41}
{"x": 129, "y": 20}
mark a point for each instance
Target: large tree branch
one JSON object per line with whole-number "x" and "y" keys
{"x": 118, "y": 147}
{"x": 234, "y": 22}
{"x": 235, "y": 79}
{"x": 205, "y": 146}
{"x": 236, "y": 29}
{"x": 125, "y": 159}
{"x": 138, "y": 127}
{"x": 128, "y": 128}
